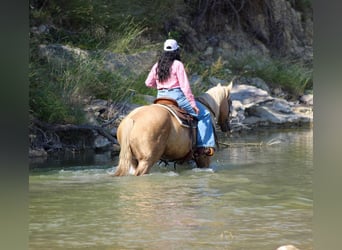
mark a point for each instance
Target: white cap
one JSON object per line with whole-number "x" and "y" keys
{"x": 170, "y": 45}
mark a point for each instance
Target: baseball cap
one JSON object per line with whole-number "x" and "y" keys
{"x": 170, "y": 45}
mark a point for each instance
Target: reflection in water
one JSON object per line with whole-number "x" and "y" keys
{"x": 257, "y": 198}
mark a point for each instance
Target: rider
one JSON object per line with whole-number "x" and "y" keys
{"x": 169, "y": 77}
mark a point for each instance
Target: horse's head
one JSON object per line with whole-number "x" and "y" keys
{"x": 224, "y": 108}
{"x": 224, "y": 104}
{"x": 217, "y": 100}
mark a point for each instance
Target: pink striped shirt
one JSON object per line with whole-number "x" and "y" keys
{"x": 177, "y": 79}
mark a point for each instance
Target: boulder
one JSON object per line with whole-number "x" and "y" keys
{"x": 254, "y": 107}
{"x": 102, "y": 144}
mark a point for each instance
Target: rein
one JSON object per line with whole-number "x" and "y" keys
{"x": 204, "y": 102}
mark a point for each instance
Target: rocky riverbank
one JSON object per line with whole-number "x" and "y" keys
{"x": 253, "y": 107}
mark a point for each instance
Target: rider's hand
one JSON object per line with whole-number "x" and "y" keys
{"x": 196, "y": 110}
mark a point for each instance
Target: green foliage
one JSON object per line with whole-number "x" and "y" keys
{"x": 174, "y": 34}
{"x": 293, "y": 76}
{"x": 57, "y": 92}
{"x": 219, "y": 70}
{"x": 128, "y": 36}
{"x": 48, "y": 100}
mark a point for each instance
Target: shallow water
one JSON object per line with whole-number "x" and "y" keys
{"x": 254, "y": 197}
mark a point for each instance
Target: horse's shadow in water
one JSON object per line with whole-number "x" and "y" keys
{"x": 150, "y": 133}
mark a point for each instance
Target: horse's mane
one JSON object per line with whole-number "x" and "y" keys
{"x": 213, "y": 98}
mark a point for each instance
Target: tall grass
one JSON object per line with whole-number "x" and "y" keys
{"x": 127, "y": 38}
{"x": 57, "y": 94}
{"x": 49, "y": 99}
{"x": 58, "y": 90}
{"x": 293, "y": 76}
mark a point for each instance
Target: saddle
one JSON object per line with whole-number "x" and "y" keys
{"x": 184, "y": 118}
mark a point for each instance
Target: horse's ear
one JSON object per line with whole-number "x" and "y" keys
{"x": 219, "y": 84}
{"x": 229, "y": 87}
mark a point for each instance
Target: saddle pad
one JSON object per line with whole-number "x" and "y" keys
{"x": 181, "y": 115}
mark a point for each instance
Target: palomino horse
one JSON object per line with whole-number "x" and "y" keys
{"x": 150, "y": 133}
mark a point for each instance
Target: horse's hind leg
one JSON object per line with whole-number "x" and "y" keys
{"x": 143, "y": 168}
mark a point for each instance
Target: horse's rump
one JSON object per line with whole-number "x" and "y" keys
{"x": 148, "y": 134}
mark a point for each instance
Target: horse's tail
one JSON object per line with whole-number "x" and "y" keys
{"x": 125, "y": 157}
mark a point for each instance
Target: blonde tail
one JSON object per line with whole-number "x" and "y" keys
{"x": 125, "y": 156}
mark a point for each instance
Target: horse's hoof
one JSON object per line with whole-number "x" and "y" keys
{"x": 111, "y": 173}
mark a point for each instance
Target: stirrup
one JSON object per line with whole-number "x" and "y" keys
{"x": 209, "y": 151}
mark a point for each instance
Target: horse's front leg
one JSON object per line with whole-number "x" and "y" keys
{"x": 144, "y": 167}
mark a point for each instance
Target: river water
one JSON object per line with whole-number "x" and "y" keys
{"x": 258, "y": 195}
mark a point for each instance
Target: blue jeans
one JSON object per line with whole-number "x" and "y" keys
{"x": 205, "y": 132}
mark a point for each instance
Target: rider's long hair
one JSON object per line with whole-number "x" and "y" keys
{"x": 165, "y": 62}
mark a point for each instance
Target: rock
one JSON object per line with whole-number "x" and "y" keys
{"x": 214, "y": 81}
{"x": 97, "y": 106}
{"x": 129, "y": 64}
{"x": 249, "y": 95}
{"x": 102, "y": 144}
{"x": 62, "y": 54}
{"x": 225, "y": 45}
{"x": 282, "y": 106}
{"x": 91, "y": 118}
{"x": 42, "y": 29}
{"x": 195, "y": 79}
{"x": 259, "y": 83}
{"x": 278, "y": 92}
{"x": 208, "y": 52}
{"x": 126, "y": 64}
{"x": 306, "y": 99}
{"x": 254, "y": 107}
{"x": 40, "y": 152}
{"x": 268, "y": 115}
{"x": 287, "y": 247}
{"x": 113, "y": 131}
